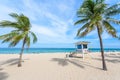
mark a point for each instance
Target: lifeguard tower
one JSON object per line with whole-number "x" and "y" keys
{"x": 82, "y": 47}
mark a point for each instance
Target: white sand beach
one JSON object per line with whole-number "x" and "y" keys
{"x": 57, "y": 67}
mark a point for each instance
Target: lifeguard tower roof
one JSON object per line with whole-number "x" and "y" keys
{"x": 82, "y": 42}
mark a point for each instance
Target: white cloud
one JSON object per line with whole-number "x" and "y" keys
{"x": 105, "y": 36}
{"x": 51, "y": 21}
{"x": 38, "y": 11}
{"x": 43, "y": 30}
{"x": 4, "y": 11}
{"x": 58, "y": 26}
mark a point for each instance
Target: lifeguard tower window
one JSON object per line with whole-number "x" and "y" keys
{"x": 79, "y": 47}
{"x": 84, "y": 46}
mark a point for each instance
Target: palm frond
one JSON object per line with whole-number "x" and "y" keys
{"x": 21, "y": 30}
{"x": 113, "y": 12}
{"x": 99, "y": 24}
{"x": 11, "y": 34}
{"x": 100, "y": 1}
{"x": 86, "y": 30}
{"x": 9, "y": 37}
{"x": 4, "y": 36}
{"x": 24, "y": 21}
{"x": 115, "y": 21}
{"x": 6, "y": 23}
{"x": 16, "y": 39}
{"x": 28, "y": 41}
{"x": 86, "y": 8}
{"x": 34, "y": 37}
{"x": 13, "y": 43}
{"x": 115, "y": 6}
{"x": 99, "y": 8}
{"x": 82, "y": 28}
{"x": 16, "y": 31}
{"x": 81, "y": 21}
{"x": 14, "y": 15}
{"x": 84, "y": 11}
{"x": 109, "y": 28}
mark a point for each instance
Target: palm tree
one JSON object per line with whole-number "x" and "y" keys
{"x": 95, "y": 14}
{"x": 21, "y": 32}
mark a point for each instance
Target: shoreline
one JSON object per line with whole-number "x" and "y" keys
{"x": 52, "y": 50}
{"x": 63, "y": 53}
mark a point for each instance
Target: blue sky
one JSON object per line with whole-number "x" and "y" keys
{"x": 53, "y": 22}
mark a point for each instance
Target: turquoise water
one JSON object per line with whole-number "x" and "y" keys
{"x": 50, "y": 50}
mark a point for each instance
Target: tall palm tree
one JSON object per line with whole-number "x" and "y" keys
{"x": 21, "y": 31}
{"x": 95, "y": 14}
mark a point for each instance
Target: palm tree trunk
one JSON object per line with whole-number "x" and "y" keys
{"x": 20, "y": 58}
{"x": 102, "y": 50}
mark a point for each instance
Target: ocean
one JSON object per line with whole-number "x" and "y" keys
{"x": 51, "y": 50}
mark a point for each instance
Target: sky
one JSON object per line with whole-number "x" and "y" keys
{"x": 53, "y": 23}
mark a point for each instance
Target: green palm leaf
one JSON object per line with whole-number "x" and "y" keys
{"x": 34, "y": 37}
{"x": 82, "y": 28}
{"x": 109, "y": 28}
{"x": 96, "y": 15}
{"x": 81, "y": 21}
{"x": 14, "y": 15}
{"x": 28, "y": 42}
{"x": 21, "y": 31}
{"x": 113, "y": 12}
{"x": 6, "y": 23}
{"x": 115, "y": 21}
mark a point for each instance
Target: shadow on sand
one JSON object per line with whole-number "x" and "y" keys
{"x": 3, "y": 75}
{"x": 1, "y": 69}
{"x": 13, "y": 61}
{"x": 110, "y": 58}
{"x": 64, "y": 62}
{"x": 10, "y": 61}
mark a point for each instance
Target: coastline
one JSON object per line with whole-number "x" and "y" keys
{"x": 117, "y": 52}
{"x": 51, "y": 50}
